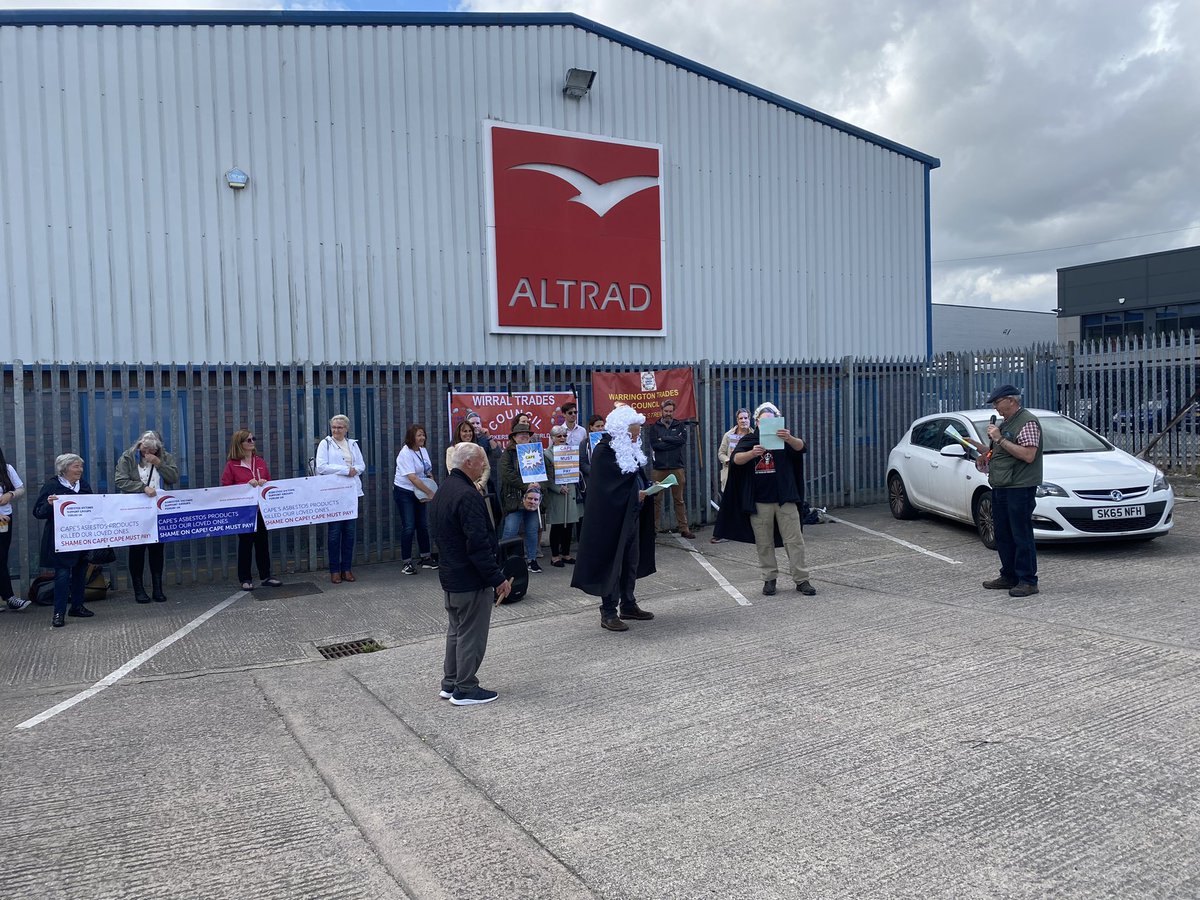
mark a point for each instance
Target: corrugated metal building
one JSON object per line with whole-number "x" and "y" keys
{"x": 967, "y": 328}
{"x": 363, "y": 233}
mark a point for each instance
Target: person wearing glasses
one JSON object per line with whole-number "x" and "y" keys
{"x": 245, "y": 466}
{"x": 146, "y": 468}
{"x": 339, "y": 454}
{"x": 576, "y": 433}
{"x": 70, "y": 566}
{"x": 1014, "y": 470}
{"x": 561, "y": 503}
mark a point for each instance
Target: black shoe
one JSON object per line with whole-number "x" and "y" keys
{"x": 769, "y": 588}
{"x": 141, "y": 596}
{"x": 429, "y": 563}
{"x": 160, "y": 597}
{"x": 999, "y": 584}
{"x": 635, "y": 612}
{"x": 1024, "y": 589}
{"x": 473, "y": 698}
{"x": 613, "y": 624}
{"x": 58, "y": 621}
{"x": 80, "y": 612}
{"x": 157, "y": 591}
{"x": 534, "y": 567}
{"x": 806, "y": 589}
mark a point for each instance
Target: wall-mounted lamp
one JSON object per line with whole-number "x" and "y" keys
{"x": 237, "y": 179}
{"x": 1120, "y": 299}
{"x": 578, "y": 83}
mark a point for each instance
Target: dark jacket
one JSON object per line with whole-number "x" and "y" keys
{"x": 737, "y": 500}
{"x": 464, "y": 536}
{"x": 608, "y": 523}
{"x": 512, "y": 488}
{"x": 44, "y": 509}
{"x": 668, "y": 443}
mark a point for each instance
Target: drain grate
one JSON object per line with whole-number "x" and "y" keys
{"x": 350, "y": 648}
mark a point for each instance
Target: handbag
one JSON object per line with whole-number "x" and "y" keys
{"x": 430, "y": 484}
{"x": 102, "y": 556}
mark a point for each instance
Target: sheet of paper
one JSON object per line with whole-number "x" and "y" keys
{"x": 658, "y": 486}
{"x": 766, "y": 432}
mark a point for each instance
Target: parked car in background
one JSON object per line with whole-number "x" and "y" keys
{"x": 1092, "y": 490}
{"x": 1154, "y": 415}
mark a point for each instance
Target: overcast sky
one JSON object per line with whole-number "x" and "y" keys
{"x": 1070, "y": 129}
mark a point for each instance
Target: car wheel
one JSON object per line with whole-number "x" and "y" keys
{"x": 981, "y": 508}
{"x": 898, "y": 498}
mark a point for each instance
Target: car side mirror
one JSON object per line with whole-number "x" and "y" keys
{"x": 954, "y": 450}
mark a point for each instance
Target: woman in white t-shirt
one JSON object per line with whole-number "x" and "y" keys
{"x": 339, "y": 454}
{"x": 11, "y": 489}
{"x": 412, "y": 488}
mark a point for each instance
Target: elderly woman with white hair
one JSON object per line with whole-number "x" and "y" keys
{"x": 617, "y": 544}
{"x": 339, "y": 454}
{"x": 146, "y": 468}
{"x": 70, "y": 567}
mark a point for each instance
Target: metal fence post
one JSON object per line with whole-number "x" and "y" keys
{"x": 704, "y": 411}
{"x": 847, "y": 437}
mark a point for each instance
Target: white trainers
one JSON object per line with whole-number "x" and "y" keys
{"x": 16, "y": 604}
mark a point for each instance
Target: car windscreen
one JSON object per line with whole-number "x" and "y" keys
{"x": 1062, "y": 435}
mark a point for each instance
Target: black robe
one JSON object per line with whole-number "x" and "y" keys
{"x": 611, "y": 494}
{"x": 737, "y": 500}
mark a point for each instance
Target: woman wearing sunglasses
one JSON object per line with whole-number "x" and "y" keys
{"x": 245, "y": 466}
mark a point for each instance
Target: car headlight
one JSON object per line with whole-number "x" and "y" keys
{"x": 1046, "y": 489}
{"x": 1160, "y": 482}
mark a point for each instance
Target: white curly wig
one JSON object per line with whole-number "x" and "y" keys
{"x": 629, "y": 455}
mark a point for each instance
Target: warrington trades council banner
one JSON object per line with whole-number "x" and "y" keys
{"x": 90, "y": 521}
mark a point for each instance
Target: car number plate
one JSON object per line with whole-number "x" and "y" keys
{"x": 1118, "y": 512}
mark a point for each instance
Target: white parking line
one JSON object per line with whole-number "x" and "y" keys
{"x": 910, "y": 546}
{"x": 717, "y": 576}
{"x": 146, "y": 655}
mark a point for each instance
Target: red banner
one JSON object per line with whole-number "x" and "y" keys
{"x": 497, "y": 412}
{"x": 645, "y": 392}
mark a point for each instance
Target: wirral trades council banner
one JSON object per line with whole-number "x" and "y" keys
{"x": 497, "y": 412}
{"x": 645, "y": 392}
{"x": 89, "y": 521}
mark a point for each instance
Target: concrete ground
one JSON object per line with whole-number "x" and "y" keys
{"x": 905, "y": 733}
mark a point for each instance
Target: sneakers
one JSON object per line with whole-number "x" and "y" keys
{"x": 999, "y": 584}
{"x": 806, "y": 589}
{"x": 635, "y": 612}
{"x": 1023, "y": 589}
{"x": 429, "y": 563}
{"x": 534, "y": 567}
{"x": 16, "y": 604}
{"x": 769, "y": 588}
{"x": 445, "y": 695}
{"x": 409, "y": 569}
{"x": 472, "y": 698}
{"x": 613, "y": 624}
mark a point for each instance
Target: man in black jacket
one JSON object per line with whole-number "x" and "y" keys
{"x": 469, "y": 574}
{"x": 668, "y": 438}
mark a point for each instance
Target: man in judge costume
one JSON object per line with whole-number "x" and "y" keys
{"x": 617, "y": 544}
{"x": 762, "y": 500}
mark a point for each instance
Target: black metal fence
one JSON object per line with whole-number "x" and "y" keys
{"x": 851, "y": 412}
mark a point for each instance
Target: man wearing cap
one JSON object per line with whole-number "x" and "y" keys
{"x": 762, "y": 500}
{"x": 1013, "y": 465}
{"x": 617, "y": 544}
{"x": 519, "y": 500}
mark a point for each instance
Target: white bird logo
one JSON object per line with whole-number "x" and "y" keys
{"x": 599, "y": 198}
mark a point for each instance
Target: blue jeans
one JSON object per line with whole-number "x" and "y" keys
{"x": 413, "y": 520}
{"x": 1012, "y": 513}
{"x": 527, "y": 519}
{"x": 68, "y": 583}
{"x": 341, "y": 545}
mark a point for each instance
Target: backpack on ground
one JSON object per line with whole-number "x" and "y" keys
{"x": 512, "y": 563}
{"x": 95, "y": 587}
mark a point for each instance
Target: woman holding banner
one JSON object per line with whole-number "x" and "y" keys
{"x": 561, "y": 504}
{"x": 245, "y": 466}
{"x": 70, "y": 566}
{"x": 339, "y": 454}
{"x": 145, "y": 468}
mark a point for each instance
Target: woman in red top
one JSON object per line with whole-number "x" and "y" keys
{"x": 245, "y": 466}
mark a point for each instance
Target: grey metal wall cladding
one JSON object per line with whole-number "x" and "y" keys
{"x": 361, "y": 235}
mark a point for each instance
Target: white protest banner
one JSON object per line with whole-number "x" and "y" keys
{"x": 566, "y": 464}
{"x": 290, "y": 502}
{"x": 206, "y": 512}
{"x": 89, "y": 521}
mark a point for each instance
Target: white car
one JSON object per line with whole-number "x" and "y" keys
{"x": 1091, "y": 490}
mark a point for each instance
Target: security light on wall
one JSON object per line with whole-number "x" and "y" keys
{"x": 237, "y": 179}
{"x": 1120, "y": 299}
{"x": 578, "y": 83}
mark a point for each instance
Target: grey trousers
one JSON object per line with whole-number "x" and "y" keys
{"x": 763, "y": 523}
{"x": 470, "y": 615}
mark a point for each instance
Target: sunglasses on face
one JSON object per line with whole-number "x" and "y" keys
{"x": 249, "y": 440}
